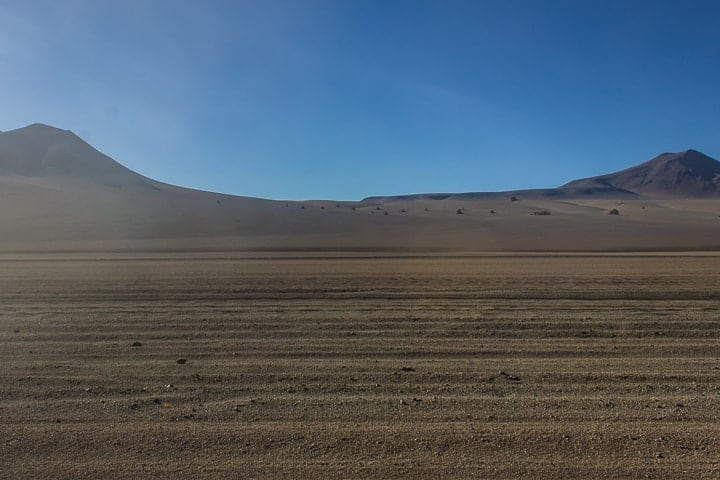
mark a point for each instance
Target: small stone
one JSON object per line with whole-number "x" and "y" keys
{"x": 137, "y": 344}
{"x": 513, "y": 378}
{"x": 407, "y": 369}
{"x": 181, "y": 361}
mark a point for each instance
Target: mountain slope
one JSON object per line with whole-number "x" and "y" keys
{"x": 688, "y": 174}
{"x": 57, "y": 193}
{"x": 43, "y": 151}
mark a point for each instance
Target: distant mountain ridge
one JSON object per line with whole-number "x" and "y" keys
{"x": 43, "y": 151}
{"x": 687, "y": 174}
{"x": 60, "y": 194}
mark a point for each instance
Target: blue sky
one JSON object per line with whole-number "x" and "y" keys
{"x": 345, "y": 99}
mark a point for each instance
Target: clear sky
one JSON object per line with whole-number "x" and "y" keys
{"x": 344, "y": 99}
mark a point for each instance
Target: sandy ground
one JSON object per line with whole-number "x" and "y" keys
{"x": 561, "y": 366}
{"x": 58, "y": 193}
{"x": 42, "y": 214}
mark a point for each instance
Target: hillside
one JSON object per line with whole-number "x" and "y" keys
{"x": 41, "y": 151}
{"x": 57, "y": 193}
{"x": 688, "y": 174}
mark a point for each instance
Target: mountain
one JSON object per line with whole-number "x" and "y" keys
{"x": 59, "y": 194}
{"x": 688, "y": 174}
{"x": 43, "y": 151}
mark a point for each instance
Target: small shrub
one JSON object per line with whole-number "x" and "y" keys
{"x": 614, "y": 211}
{"x": 459, "y": 211}
{"x": 514, "y": 198}
{"x": 540, "y": 212}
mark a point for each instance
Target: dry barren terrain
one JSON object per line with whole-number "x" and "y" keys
{"x": 352, "y": 366}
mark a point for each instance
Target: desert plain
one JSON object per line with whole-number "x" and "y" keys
{"x": 359, "y": 365}
{"x": 153, "y": 331}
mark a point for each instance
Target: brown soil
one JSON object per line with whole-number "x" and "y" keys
{"x": 359, "y": 367}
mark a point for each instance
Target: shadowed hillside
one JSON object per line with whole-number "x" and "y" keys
{"x": 44, "y": 151}
{"x": 688, "y": 174}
